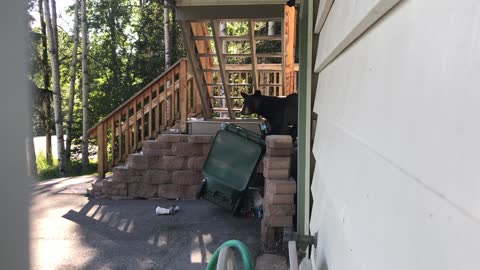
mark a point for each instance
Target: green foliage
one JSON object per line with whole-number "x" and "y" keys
{"x": 74, "y": 168}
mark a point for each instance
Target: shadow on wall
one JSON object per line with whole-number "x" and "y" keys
{"x": 129, "y": 236}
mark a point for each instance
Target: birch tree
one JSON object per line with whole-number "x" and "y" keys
{"x": 84, "y": 87}
{"x": 73, "y": 77}
{"x": 46, "y": 84}
{"x": 166, "y": 31}
{"x": 57, "y": 95}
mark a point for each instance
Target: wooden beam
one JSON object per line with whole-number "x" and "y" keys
{"x": 248, "y": 67}
{"x": 216, "y": 11}
{"x": 283, "y": 54}
{"x": 135, "y": 126}
{"x": 101, "y": 160}
{"x": 240, "y": 38}
{"x": 150, "y": 109}
{"x": 127, "y": 132}
{"x": 221, "y": 63}
{"x": 195, "y": 67}
{"x": 120, "y": 133}
{"x": 253, "y": 53}
{"x": 112, "y": 140}
{"x": 290, "y": 35}
{"x": 183, "y": 97}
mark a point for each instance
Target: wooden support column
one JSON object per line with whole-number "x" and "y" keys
{"x": 142, "y": 110}
{"x": 196, "y": 66}
{"x": 128, "y": 130}
{"x": 112, "y": 141}
{"x": 221, "y": 63}
{"x": 120, "y": 134}
{"x": 100, "y": 151}
{"x": 135, "y": 126}
{"x": 183, "y": 96}
{"x": 173, "y": 103}
{"x": 150, "y": 109}
{"x": 253, "y": 52}
{"x": 157, "y": 111}
{"x": 290, "y": 43}
{"x": 283, "y": 55}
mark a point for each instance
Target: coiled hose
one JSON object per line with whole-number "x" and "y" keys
{"x": 244, "y": 254}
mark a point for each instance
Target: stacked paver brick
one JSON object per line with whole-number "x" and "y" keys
{"x": 169, "y": 167}
{"x": 278, "y": 203}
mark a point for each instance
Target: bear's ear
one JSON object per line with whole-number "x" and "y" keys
{"x": 258, "y": 93}
{"x": 244, "y": 95}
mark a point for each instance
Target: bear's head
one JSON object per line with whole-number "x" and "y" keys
{"x": 251, "y": 103}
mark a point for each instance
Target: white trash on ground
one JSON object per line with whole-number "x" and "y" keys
{"x": 167, "y": 211}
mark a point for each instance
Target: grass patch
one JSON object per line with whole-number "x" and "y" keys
{"x": 74, "y": 168}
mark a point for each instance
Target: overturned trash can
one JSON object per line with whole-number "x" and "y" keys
{"x": 231, "y": 165}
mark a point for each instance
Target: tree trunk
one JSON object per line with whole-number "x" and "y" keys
{"x": 31, "y": 158}
{"x": 84, "y": 88}
{"x": 271, "y": 28}
{"x": 166, "y": 32}
{"x": 46, "y": 85}
{"x": 72, "y": 82}
{"x": 57, "y": 95}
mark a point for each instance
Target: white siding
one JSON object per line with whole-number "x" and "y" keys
{"x": 397, "y": 145}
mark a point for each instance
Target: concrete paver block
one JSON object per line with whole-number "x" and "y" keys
{"x": 187, "y": 149}
{"x": 279, "y": 209}
{"x": 156, "y": 145}
{"x": 278, "y": 221}
{"x": 157, "y": 177}
{"x": 137, "y": 161}
{"x": 281, "y": 186}
{"x": 275, "y": 163}
{"x": 157, "y": 152}
{"x": 201, "y": 138}
{"x": 196, "y": 163}
{"x": 278, "y": 141}
{"x": 172, "y": 138}
{"x": 272, "y": 198}
{"x": 114, "y": 188}
{"x": 276, "y": 174}
{"x": 187, "y": 177}
{"x": 142, "y": 190}
{"x": 278, "y": 152}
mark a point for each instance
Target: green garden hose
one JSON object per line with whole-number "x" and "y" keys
{"x": 244, "y": 254}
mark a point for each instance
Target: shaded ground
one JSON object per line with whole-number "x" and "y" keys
{"x": 72, "y": 231}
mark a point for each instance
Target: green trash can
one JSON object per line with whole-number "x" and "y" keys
{"x": 231, "y": 165}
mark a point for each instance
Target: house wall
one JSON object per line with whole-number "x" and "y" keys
{"x": 396, "y": 182}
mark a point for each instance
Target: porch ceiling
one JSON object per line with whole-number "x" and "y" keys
{"x": 182, "y": 3}
{"x": 234, "y": 11}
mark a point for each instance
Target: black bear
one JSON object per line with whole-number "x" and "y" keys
{"x": 281, "y": 113}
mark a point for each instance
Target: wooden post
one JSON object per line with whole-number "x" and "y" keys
{"x": 157, "y": 112}
{"x": 135, "y": 126}
{"x": 100, "y": 152}
{"x": 171, "y": 78}
{"x": 112, "y": 141}
{"x": 253, "y": 52}
{"x": 183, "y": 96}
{"x": 120, "y": 134}
{"x": 150, "y": 109}
{"x": 142, "y": 110}
{"x": 128, "y": 130}
{"x": 290, "y": 36}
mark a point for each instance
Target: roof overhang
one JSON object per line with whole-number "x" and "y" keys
{"x": 230, "y": 9}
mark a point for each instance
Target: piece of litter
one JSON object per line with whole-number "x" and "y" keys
{"x": 167, "y": 211}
